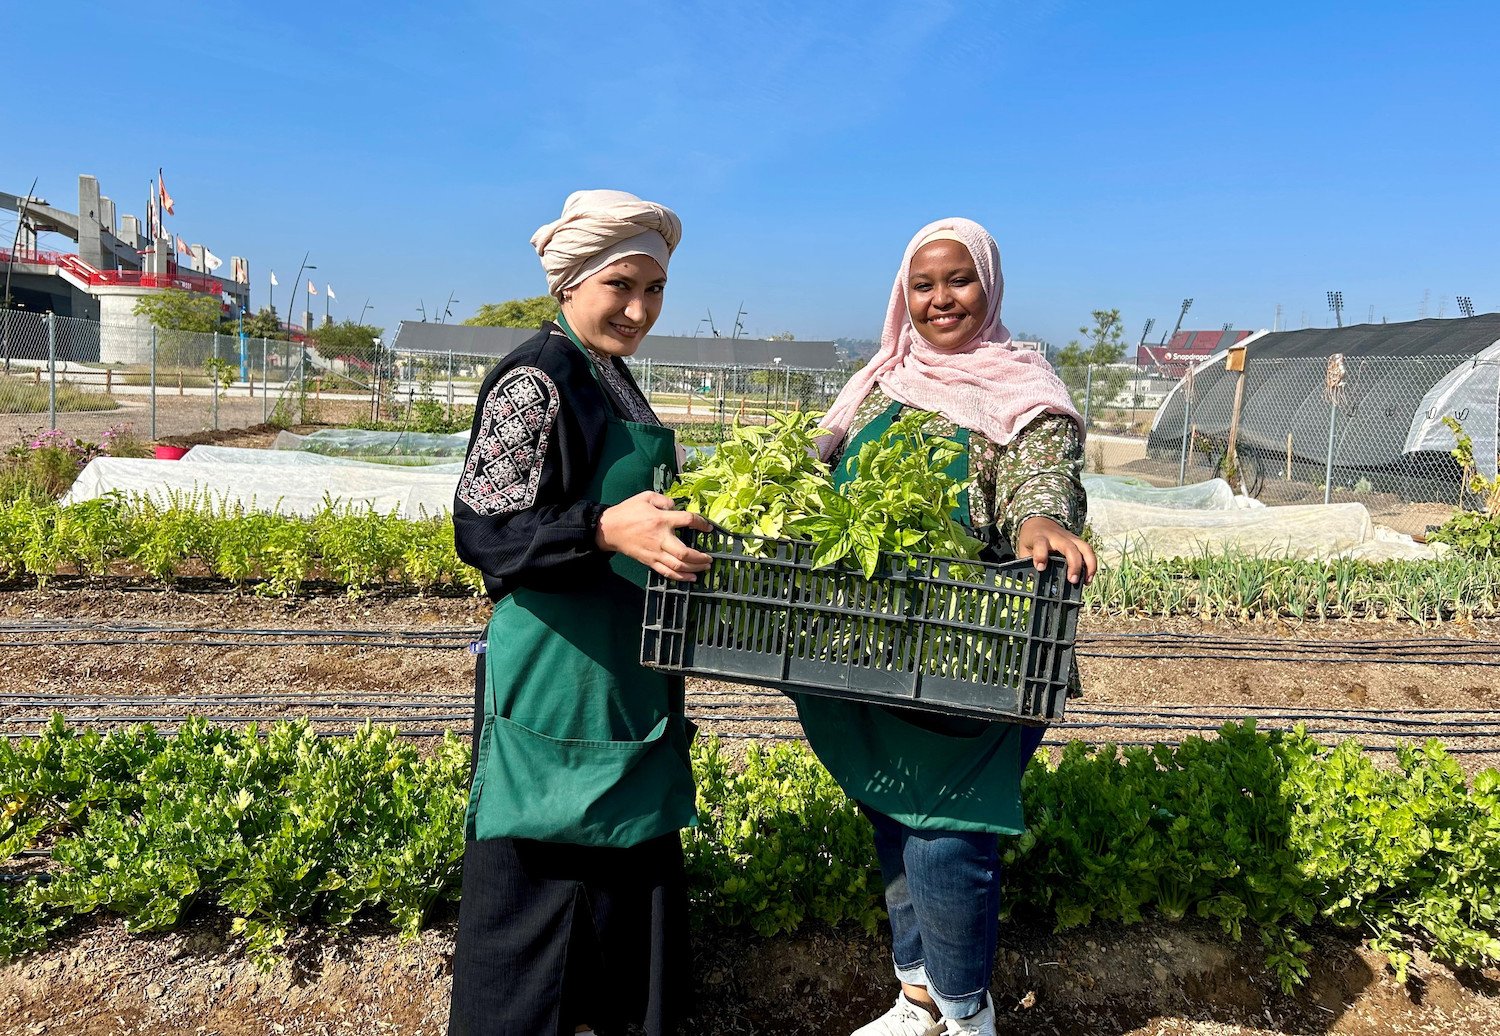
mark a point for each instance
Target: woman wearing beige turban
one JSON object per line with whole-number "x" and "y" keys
{"x": 574, "y": 912}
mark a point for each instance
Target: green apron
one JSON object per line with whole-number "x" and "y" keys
{"x": 931, "y": 773}
{"x": 580, "y": 742}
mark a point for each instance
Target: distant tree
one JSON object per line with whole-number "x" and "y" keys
{"x": 174, "y": 310}
{"x": 1105, "y": 344}
{"x": 348, "y": 339}
{"x": 858, "y": 346}
{"x": 785, "y": 336}
{"x": 265, "y": 324}
{"x": 516, "y": 313}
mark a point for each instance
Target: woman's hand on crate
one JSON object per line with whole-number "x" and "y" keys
{"x": 645, "y": 527}
{"x": 1039, "y": 537}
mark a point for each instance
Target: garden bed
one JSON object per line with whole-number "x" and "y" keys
{"x": 1153, "y": 978}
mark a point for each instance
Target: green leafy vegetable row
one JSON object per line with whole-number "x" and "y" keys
{"x": 1269, "y": 832}
{"x": 356, "y": 548}
{"x": 362, "y": 550}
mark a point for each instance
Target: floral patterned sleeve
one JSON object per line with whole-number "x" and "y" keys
{"x": 1038, "y": 473}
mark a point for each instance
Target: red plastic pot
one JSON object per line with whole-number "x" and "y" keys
{"x": 170, "y": 452}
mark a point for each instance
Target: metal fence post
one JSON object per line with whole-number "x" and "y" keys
{"x": 1088, "y": 393}
{"x": 1187, "y": 407}
{"x": 1333, "y": 384}
{"x": 1333, "y": 415}
{"x": 265, "y": 380}
{"x": 153, "y": 381}
{"x": 213, "y": 379}
{"x": 450, "y": 384}
{"x": 648, "y": 381}
{"x": 52, "y": 371}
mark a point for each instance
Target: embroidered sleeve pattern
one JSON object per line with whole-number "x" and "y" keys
{"x": 504, "y": 465}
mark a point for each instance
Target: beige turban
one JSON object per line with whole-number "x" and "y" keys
{"x": 601, "y": 227}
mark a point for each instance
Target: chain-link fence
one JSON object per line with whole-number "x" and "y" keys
{"x": 84, "y": 376}
{"x": 1304, "y": 430}
{"x": 417, "y": 385}
{"x": 1323, "y": 430}
{"x": 725, "y": 394}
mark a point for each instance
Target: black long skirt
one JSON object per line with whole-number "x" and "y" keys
{"x": 554, "y": 936}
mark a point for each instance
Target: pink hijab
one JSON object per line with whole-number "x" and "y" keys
{"x": 987, "y": 386}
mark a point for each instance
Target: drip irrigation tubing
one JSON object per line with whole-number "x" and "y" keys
{"x": 419, "y": 700}
{"x": 1159, "y": 646}
{"x": 420, "y": 734}
{"x": 1448, "y": 731}
{"x": 416, "y": 700}
{"x": 69, "y": 625}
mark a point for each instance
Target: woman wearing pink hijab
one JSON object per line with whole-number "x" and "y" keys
{"x": 938, "y": 789}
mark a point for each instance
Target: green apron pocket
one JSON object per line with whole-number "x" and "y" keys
{"x": 585, "y": 792}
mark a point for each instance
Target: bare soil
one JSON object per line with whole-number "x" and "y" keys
{"x": 1153, "y": 978}
{"x": 181, "y": 420}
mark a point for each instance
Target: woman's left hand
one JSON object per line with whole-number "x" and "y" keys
{"x": 1040, "y": 536}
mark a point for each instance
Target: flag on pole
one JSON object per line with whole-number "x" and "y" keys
{"x": 182, "y": 246}
{"x": 166, "y": 199}
{"x": 211, "y": 261}
{"x": 330, "y": 291}
{"x": 274, "y": 281}
{"x": 153, "y": 230}
{"x": 311, "y": 290}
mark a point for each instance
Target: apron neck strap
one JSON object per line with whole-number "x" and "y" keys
{"x": 594, "y": 360}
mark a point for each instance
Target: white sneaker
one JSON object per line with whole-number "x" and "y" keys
{"x": 905, "y": 1019}
{"x": 981, "y": 1024}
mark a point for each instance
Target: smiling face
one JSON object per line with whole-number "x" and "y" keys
{"x": 612, "y": 310}
{"x": 943, "y": 295}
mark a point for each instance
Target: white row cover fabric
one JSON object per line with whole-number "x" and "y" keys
{"x": 1308, "y": 531}
{"x": 1470, "y": 394}
{"x": 299, "y": 458}
{"x": 303, "y": 490}
{"x": 1213, "y": 495}
{"x": 360, "y": 443}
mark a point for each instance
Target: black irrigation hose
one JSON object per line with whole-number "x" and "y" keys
{"x": 226, "y": 644}
{"x": 1345, "y": 660}
{"x": 40, "y": 701}
{"x": 1407, "y": 644}
{"x": 69, "y": 625}
{"x": 1443, "y": 730}
{"x": 1279, "y": 657}
{"x": 418, "y": 700}
{"x": 731, "y": 735}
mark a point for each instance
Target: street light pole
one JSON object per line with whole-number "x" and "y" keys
{"x": 10, "y": 266}
{"x": 1136, "y": 395}
{"x": 297, "y": 280}
{"x": 1187, "y": 304}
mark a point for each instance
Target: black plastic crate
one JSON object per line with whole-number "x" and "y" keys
{"x": 958, "y": 637}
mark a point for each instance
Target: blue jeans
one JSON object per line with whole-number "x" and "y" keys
{"x": 942, "y": 891}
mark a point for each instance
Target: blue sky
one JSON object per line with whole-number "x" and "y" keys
{"x": 1124, "y": 155}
